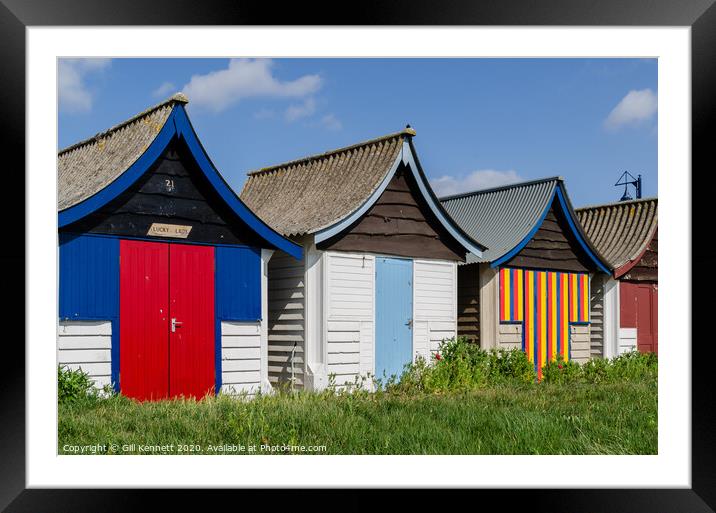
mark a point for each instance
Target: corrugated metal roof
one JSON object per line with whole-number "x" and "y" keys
{"x": 500, "y": 218}
{"x": 306, "y": 195}
{"x": 620, "y": 231}
{"x": 88, "y": 166}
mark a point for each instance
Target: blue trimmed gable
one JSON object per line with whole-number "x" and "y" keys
{"x": 556, "y": 241}
{"x": 178, "y": 127}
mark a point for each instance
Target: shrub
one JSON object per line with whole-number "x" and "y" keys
{"x": 561, "y": 372}
{"x": 72, "y": 385}
{"x": 633, "y": 366}
{"x": 460, "y": 365}
{"x": 76, "y": 385}
{"x": 511, "y": 366}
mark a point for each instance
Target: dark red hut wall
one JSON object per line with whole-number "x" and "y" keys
{"x": 553, "y": 247}
{"x": 173, "y": 191}
{"x": 647, "y": 268}
{"x": 399, "y": 223}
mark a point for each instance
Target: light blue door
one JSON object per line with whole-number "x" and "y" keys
{"x": 393, "y": 316}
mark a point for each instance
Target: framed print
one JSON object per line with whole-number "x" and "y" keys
{"x": 238, "y": 304}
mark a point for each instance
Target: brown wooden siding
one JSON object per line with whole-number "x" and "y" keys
{"x": 399, "y": 223}
{"x": 174, "y": 191}
{"x": 553, "y": 247}
{"x": 647, "y": 268}
{"x": 468, "y": 302}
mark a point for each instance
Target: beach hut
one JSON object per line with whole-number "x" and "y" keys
{"x": 162, "y": 268}
{"x": 530, "y": 288}
{"x": 626, "y": 233}
{"x": 378, "y": 286}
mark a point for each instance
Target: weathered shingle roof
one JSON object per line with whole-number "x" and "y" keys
{"x": 88, "y": 166}
{"x": 500, "y": 217}
{"x": 306, "y": 195}
{"x": 620, "y": 231}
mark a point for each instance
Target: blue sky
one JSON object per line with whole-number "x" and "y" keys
{"x": 479, "y": 122}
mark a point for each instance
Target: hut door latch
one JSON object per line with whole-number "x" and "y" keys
{"x": 175, "y": 324}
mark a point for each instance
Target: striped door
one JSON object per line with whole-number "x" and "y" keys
{"x": 393, "y": 315}
{"x": 166, "y": 320}
{"x": 545, "y": 303}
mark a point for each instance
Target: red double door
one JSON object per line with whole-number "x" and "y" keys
{"x": 638, "y": 305}
{"x": 166, "y": 320}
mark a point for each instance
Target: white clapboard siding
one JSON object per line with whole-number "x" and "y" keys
{"x": 350, "y": 281}
{"x": 286, "y": 319}
{"x": 240, "y": 357}
{"x": 627, "y": 340}
{"x": 421, "y": 340}
{"x": 509, "y": 336}
{"x": 435, "y": 290}
{"x": 86, "y": 345}
{"x": 579, "y": 343}
{"x": 350, "y": 293}
{"x": 434, "y": 305}
{"x": 439, "y": 332}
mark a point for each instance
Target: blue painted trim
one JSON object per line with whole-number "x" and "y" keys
{"x": 410, "y": 161}
{"x": 508, "y": 256}
{"x": 405, "y": 157}
{"x": 185, "y": 130}
{"x": 217, "y": 351}
{"x": 178, "y": 125}
{"x": 577, "y": 233}
{"x": 123, "y": 181}
{"x": 115, "y": 355}
{"x": 335, "y": 229}
{"x": 570, "y": 221}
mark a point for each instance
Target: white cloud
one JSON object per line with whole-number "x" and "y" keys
{"x": 265, "y": 114}
{"x": 635, "y": 107}
{"x": 165, "y": 89}
{"x": 331, "y": 122}
{"x": 480, "y": 179}
{"x": 298, "y": 111}
{"x": 245, "y": 78}
{"x": 74, "y": 95}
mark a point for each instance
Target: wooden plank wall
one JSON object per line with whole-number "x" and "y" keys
{"x": 400, "y": 224}
{"x": 596, "y": 315}
{"x": 350, "y": 307}
{"x": 87, "y": 345}
{"x": 552, "y": 247}
{"x": 435, "y": 306}
{"x": 240, "y": 357}
{"x": 468, "y": 302}
{"x": 286, "y": 317}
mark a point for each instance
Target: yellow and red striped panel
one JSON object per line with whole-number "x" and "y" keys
{"x": 546, "y": 302}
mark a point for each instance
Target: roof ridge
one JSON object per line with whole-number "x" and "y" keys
{"x": 406, "y": 131}
{"x": 175, "y": 98}
{"x": 617, "y": 203}
{"x": 500, "y": 187}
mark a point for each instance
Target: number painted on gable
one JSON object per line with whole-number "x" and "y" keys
{"x": 170, "y": 184}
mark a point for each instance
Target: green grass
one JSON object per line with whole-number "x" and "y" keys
{"x": 548, "y": 418}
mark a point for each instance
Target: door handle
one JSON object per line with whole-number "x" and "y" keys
{"x": 175, "y": 324}
{"x": 409, "y": 323}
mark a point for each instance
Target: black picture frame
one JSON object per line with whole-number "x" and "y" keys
{"x": 16, "y": 15}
